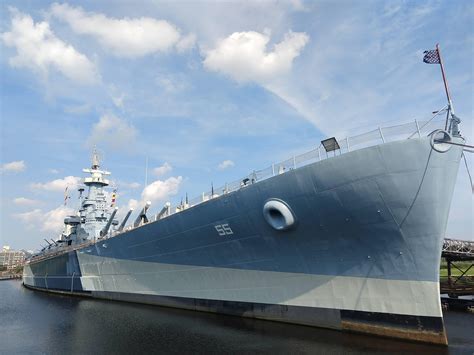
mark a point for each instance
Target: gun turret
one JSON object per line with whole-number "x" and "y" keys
{"x": 122, "y": 225}
{"x": 46, "y": 240}
{"x": 105, "y": 230}
{"x": 142, "y": 218}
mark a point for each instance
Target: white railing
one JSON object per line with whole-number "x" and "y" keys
{"x": 414, "y": 129}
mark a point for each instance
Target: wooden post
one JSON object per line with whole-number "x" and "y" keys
{"x": 449, "y": 271}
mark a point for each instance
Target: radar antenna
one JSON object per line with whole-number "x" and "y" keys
{"x": 96, "y": 158}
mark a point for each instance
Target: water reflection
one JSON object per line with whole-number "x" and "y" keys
{"x": 39, "y": 322}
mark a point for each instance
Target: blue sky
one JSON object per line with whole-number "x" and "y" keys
{"x": 209, "y": 92}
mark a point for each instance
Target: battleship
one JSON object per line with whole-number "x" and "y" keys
{"x": 347, "y": 236}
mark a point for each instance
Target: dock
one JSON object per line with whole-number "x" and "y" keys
{"x": 459, "y": 288}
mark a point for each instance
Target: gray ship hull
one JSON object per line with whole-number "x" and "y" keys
{"x": 363, "y": 255}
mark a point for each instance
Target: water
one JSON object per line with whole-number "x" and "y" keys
{"x": 37, "y": 322}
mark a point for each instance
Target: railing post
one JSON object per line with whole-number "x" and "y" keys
{"x": 418, "y": 128}
{"x": 319, "y": 153}
{"x": 347, "y": 143}
{"x": 381, "y": 135}
{"x": 294, "y": 162}
{"x": 273, "y": 169}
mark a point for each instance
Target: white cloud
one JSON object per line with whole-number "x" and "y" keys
{"x": 126, "y": 37}
{"x": 160, "y": 190}
{"x": 30, "y": 218}
{"x": 243, "y": 56}
{"x": 54, "y": 219}
{"x": 123, "y": 209}
{"x": 39, "y": 50}
{"x": 132, "y": 203}
{"x": 113, "y": 132}
{"x": 58, "y": 184}
{"x": 118, "y": 100}
{"x": 162, "y": 170}
{"x": 53, "y": 171}
{"x": 186, "y": 42}
{"x": 23, "y": 201}
{"x": 50, "y": 221}
{"x": 226, "y": 164}
{"x": 14, "y": 166}
{"x": 298, "y": 5}
{"x": 172, "y": 83}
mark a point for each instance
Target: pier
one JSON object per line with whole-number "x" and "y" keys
{"x": 459, "y": 281}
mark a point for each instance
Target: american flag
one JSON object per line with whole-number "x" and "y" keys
{"x": 431, "y": 57}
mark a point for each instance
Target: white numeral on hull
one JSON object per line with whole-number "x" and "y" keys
{"x": 223, "y": 229}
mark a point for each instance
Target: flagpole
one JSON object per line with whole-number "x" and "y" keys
{"x": 448, "y": 95}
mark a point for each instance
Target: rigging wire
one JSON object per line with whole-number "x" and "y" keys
{"x": 459, "y": 144}
{"x": 468, "y": 172}
{"x": 431, "y": 119}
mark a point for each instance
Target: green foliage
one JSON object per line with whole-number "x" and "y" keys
{"x": 463, "y": 265}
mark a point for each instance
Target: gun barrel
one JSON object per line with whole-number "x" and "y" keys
{"x": 142, "y": 215}
{"x": 164, "y": 211}
{"x": 105, "y": 230}
{"x": 122, "y": 225}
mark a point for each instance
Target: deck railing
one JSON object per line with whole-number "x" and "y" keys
{"x": 414, "y": 129}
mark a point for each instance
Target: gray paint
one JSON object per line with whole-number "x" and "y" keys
{"x": 377, "y": 213}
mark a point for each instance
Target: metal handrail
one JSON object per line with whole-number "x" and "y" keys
{"x": 458, "y": 247}
{"x": 371, "y": 138}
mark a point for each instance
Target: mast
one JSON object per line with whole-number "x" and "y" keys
{"x": 452, "y": 121}
{"x": 446, "y": 87}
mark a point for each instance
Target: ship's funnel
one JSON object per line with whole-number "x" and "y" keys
{"x": 105, "y": 230}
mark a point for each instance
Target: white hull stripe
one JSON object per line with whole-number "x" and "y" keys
{"x": 418, "y": 298}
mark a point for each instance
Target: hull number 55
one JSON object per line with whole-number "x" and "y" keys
{"x": 223, "y": 229}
